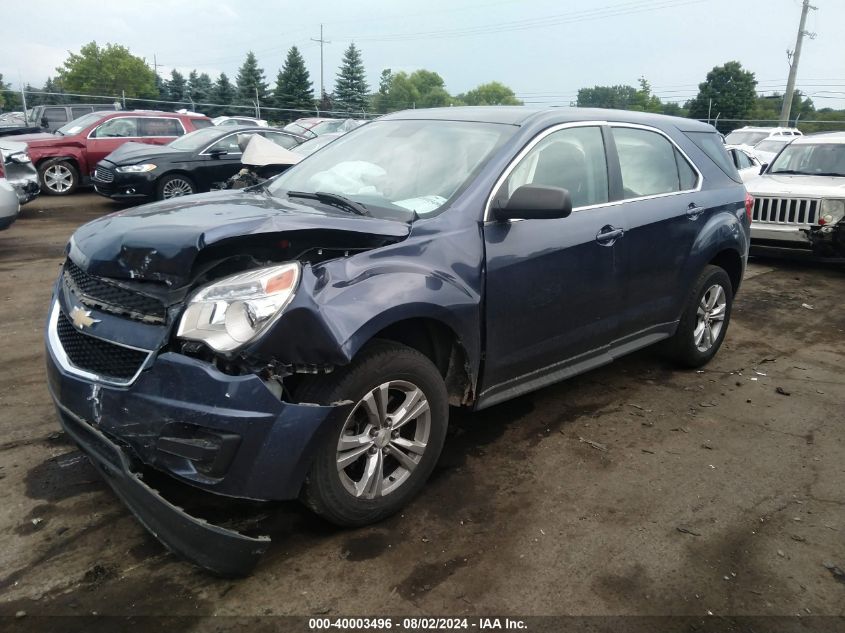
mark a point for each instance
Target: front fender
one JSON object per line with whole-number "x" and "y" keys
{"x": 64, "y": 153}
{"x": 343, "y": 303}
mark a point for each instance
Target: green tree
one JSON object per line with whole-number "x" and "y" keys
{"x": 109, "y": 70}
{"x": 9, "y": 99}
{"x": 729, "y": 92}
{"x": 177, "y": 87}
{"x": 492, "y": 93}
{"x": 350, "y": 89}
{"x": 199, "y": 87}
{"x": 250, "y": 80}
{"x": 381, "y": 99}
{"x": 223, "y": 93}
{"x": 767, "y": 109}
{"x": 644, "y": 100}
{"x": 293, "y": 85}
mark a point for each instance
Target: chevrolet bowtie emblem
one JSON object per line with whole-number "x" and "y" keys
{"x": 82, "y": 318}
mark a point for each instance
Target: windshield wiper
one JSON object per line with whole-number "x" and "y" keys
{"x": 790, "y": 172}
{"x": 333, "y": 199}
{"x": 834, "y": 174}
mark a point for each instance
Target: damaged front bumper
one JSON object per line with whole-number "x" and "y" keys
{"x": 225, "y": 434}
{"x": 24, "y": 179}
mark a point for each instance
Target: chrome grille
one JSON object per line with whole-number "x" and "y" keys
{"x": 104, "y": 175}
{"x": 797, "y": 211}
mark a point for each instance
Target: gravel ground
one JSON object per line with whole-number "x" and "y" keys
{"x": 634, "y": 489}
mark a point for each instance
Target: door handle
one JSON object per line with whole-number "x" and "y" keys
{"x": 608, "y": 235}
{"x": 694, "y": 211}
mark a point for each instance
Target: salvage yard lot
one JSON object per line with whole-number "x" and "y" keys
{"x": 634, "y": 489}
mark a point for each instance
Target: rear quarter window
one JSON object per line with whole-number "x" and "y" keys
{"x": 201, "y": 123}
{"x": 711, "y": 144}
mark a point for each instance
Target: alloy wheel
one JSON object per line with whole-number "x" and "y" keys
{"x": 383, "y": 439}
{"x": 711, "y": 317}
{"x": 58, "y": 178}
{"x": 176, "y": 187}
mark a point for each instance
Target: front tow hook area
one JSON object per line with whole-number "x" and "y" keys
{"x": 219, "y": 550}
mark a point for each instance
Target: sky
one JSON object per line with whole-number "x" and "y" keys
{"x": 545, "y": 50}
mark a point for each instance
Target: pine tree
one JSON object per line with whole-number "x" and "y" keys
{"x": 177, "y": 87}
{"x": 293, "y": 85}
{"x": 199, "y": 87}
{"x": 223, "y": 93}
{"x": 350, "y": 88}
{"x": 251, "y": 79}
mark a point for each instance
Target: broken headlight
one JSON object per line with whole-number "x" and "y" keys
{"x": 832, "y": 211}
{"x": 233, "y": 311}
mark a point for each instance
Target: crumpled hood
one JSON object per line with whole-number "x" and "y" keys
{"x": 133, "y": 152}
{"x": 40, "y": 138}
{"x": 160, "y": 241}
{"x": 798, "y": 186}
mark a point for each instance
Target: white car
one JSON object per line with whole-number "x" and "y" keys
{"x": 9, "y": 204}
{"x": 766, "y": 150}
{"x": 746, "y": 162}
{"x": 751, "y": 136}
{"x": 799, "y": 201}
{"x": 239, "y": 120}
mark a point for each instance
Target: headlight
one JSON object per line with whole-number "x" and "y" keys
{"x": 832, "y": 211}
{"x": 20, "y": 157}
{"x": 237, "y": 309}
{"x": 136, "y": 169}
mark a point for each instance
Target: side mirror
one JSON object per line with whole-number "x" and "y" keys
{"x": 536, "y": 202}
{"x": 763, "y": 168}
{"x": 217, "y": 153}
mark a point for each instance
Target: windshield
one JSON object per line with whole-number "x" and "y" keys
{"x": 811, "y": 159}
{"x": 77, "y": 125}
{"x": 296, "y": 128}
{"x": 196, "y": 140}
{"x": 738, "y": 137}
{"x": 309, "y": 147}
{"x": 397, "y": 166}
{"x": 772, "y": 145}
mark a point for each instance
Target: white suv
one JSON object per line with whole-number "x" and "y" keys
{"x": 750, "y": 136}
{"x": 799, "y": 200}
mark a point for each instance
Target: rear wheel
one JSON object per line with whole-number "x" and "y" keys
{"x": 380, "y": 455}
{"x": 705, "y": 320}
{"x": 175, "y": 186}
{"x": 58, "y": 177}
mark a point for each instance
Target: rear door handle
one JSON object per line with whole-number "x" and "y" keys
{"x": 608, "y": 235}
{"x": 694, "y": 211}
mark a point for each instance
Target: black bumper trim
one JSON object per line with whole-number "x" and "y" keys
{"x": 219, "y": 550}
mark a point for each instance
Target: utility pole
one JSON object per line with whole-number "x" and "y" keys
{"x": 321, "y": 41}
{"x": 793, "y": 57}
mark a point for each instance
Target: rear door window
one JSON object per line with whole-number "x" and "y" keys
{"x": 650, "y": 164}
{"x": 155, "y": 127}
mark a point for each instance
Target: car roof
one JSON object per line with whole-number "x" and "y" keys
{"x": 822, "y": 137}
{"x": 754, "y": 128}
{"x": 149, "y": 113}
{"x": 522, "y": 115}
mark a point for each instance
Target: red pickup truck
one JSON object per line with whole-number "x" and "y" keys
{"x": 66, "y": 158}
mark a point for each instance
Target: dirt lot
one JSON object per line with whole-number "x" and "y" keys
{"x": 635, "y": 489}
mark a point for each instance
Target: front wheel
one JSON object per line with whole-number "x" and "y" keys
{"x": 58, "y": 177}
{"x": 380, "y": 455}
{"x": 175, "y": 186}
{"x": 705, "y": 319}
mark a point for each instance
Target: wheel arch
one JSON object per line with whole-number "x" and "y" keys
{"x": 730, "y": 261}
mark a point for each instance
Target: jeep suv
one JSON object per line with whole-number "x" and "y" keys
{"x": 66, "y": 158}
{"x": 305, "y": 338}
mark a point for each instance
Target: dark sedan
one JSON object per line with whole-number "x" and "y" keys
{"x": 190, "y": 164}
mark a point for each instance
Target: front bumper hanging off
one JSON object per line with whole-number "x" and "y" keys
{"x": 225, "y": 434}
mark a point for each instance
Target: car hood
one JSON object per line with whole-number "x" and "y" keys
{"x": 160, "y": 241}
{"x": 133, "y": 152}
{"x": 799, "y": 186}
{"x": 40, "y": 138}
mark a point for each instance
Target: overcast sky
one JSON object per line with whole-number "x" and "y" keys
{"x": 544, "y": 49}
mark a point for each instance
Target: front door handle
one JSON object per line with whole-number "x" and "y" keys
{"x": 694, "y": 211}
{"x": 608, "y": 235}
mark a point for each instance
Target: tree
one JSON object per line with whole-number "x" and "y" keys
{"x": 9, "y": 100}
{"x": 381, "y": 99}
{"x": 109, "y": 71}
{"x": 293, "y": 84}
{"x": 729, "y": 92}
{"x": 492, "y": 93}
{"x": 350, "y": 90}
{"x": 177, "y": 87}
{"x": 250, "y": 80}
{"x": 767, "y": 109}
{"x": 222, "y": 93}
{"x": 199, "y": 87}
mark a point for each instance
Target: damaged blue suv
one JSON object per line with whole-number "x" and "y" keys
{"x": 305, "y": 338}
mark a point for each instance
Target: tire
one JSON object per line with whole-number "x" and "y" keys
{"x": 174, "y": 186}
{"x": 348, "y": 496}
{"x": 702, "y": 329}
{"x": 58, "y": 177}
